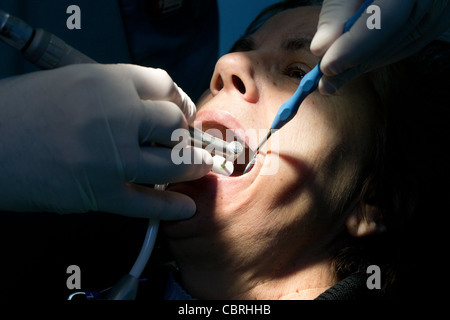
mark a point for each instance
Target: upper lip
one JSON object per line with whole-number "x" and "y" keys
{"x": 224, "y": 120}
{"x": 227, "y": 120}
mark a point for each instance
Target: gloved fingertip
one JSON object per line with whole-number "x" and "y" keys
{"x": 326, "y": 87}
{"x": 187, "y": 210}
{"x": 191, "y": 111}
{"x": 319, "y": 43}
{"x": 187, "y": 106}
{"x": 331, "y": 67}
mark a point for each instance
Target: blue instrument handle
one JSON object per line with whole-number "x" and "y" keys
{"x": 289, "y": 108}
{"x": 309, "y": 82}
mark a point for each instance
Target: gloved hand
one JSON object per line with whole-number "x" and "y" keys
{"x": 82, "y": 138}
{"x": 406, "y": 27}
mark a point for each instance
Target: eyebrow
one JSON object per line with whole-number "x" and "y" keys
{"x": 243, "y": 44}
{"x": 299, "y": 42}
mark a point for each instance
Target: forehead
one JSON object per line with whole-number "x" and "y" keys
{"x": 289, "y": 23}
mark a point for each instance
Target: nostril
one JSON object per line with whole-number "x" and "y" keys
{"x": 238, "y": 84}
{"x": 219, "y": 84}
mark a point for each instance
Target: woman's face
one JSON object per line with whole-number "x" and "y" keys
{"x": 293, "y": 199}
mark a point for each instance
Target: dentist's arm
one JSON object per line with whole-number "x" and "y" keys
{"x": 88, "y": 138}
{"x": 406, "y": 27}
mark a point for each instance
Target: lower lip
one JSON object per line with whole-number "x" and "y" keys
{"x": 216, "y": 195}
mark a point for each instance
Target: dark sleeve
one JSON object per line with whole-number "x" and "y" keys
{"x": 351, "y": 288}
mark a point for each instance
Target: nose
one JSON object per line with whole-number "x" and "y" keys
{"x": 235, "y": 72}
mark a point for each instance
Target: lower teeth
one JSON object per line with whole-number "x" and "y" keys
{"x": 221, "y": 166}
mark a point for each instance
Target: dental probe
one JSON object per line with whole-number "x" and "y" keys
{"x": 308, "y": 84}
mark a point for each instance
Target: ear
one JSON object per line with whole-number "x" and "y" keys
{"x": 365, "y": 221}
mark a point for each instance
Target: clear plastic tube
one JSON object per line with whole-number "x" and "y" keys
{"x": 149, "y": 242}
{"x": 126, "y": 288}
{"x": 147, "y": 248}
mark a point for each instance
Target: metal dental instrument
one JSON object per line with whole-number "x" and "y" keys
{"x": 308, "y": 84}
{"x": 229, "y": 150}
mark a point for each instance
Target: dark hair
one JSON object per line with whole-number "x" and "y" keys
{"x": 276, "y": 8}
{"x": 407, "y": 160}
{"x": 411, "y": 162}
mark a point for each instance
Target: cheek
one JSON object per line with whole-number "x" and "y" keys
{"x": 204, "y": 98}
{"x": 306, "y": 149}
{"x": 306, "y": 142}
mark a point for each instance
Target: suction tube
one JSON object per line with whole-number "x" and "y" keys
{"x": 126, "y": 288}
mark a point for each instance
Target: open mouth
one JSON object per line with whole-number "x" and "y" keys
{"x": 212, "y": 188}
{"x": 222, "y": 132}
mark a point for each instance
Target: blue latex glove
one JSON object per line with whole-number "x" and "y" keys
{"x": 406, "y": 27}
